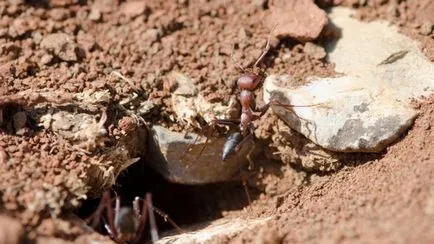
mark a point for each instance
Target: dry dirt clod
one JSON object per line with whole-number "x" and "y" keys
{"x": 314, "y": 50}
{"x": 11, "y": 231}
{"x": 81, "y": 129}
{"x": 95, "y": 14}
{"x": 61, "y": 45}
{"x": 301, "y": 20}
{"x": 134, "y": 8}
{"x": 426, "y": 28}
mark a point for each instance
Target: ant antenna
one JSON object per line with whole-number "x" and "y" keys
{"x": 153, "y": 224}
{"x": 267, "y": 47}
{"x": 234, "y": 61}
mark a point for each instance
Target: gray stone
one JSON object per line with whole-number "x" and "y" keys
{"x": 177, "y": 157}
{"x": 368, "y": 107}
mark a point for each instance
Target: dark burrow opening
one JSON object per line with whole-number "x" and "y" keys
{"x": 185, "y": 204}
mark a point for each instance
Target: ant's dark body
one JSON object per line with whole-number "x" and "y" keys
{"x": 126, "y": 224}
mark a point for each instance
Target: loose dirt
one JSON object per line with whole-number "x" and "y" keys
{"x": 45, "y": 170}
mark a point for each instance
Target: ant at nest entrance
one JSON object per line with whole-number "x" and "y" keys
{"x": 143, "y": 191}
{"x": 188, "y": 206}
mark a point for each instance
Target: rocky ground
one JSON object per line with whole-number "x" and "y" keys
{"x": 81, "y": 82}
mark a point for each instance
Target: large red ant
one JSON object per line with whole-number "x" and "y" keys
{"x": 126, "y": 224}
{"x": 247, "y": 83}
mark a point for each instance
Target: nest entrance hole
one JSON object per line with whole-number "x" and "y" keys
{"x": 186, "y": 205}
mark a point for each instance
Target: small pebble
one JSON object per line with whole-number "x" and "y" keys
{"x": 314, "y": 50}
{"x": 426, "y": 28}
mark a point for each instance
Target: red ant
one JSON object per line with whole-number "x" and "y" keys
{"x": 126, "y": 224}
{"x": 247, "y": 83}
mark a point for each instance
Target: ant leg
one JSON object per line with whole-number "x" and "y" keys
{"x": 117, "y": 208}
{"x": 142, "y": 215}
{"x": 95, "y": 217}
{"x": 111, "y": 216}
{"x": 213, "y": 123}
{"x": 264, "y": 109}
{"x": 168, "y": 219}
{"x": 235, "y": 62}
{"x": 105, "y": 204}
{"x": 249, "y": 158}
{"x": 244, "y": 140}
{"x": 110, "y": 232}
{"x": 246, "y": 190}
{"x": 154, "y": 231}
{"x": 267, "y": 47}
{"x": 136, "y": 206}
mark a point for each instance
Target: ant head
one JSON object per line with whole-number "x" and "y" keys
{"x": 247, "y": 82}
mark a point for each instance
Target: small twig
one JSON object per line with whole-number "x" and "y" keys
{"x": 152, "y": 222}
{"x": 124, "y": 78}
{"x": 394, "y": 57}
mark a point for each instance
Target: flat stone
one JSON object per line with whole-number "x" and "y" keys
{"x": 367, "y": 108}
{"x": 178, "y": 159}
{"x": 215, "y": 230}
{"x": 301, "y": 20}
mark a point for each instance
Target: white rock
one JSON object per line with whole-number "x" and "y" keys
{"x": 214, "y": 230}
{"x": 368, "y": 107}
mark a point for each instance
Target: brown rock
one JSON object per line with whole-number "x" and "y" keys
{"x": 134, "y": 8}
{"x": 86, "y": 41}
{"x": 301, "y": 20}
{"x": 11, "y": 231}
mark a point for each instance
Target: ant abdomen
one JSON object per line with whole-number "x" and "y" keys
{"x": 231, "y": 143}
